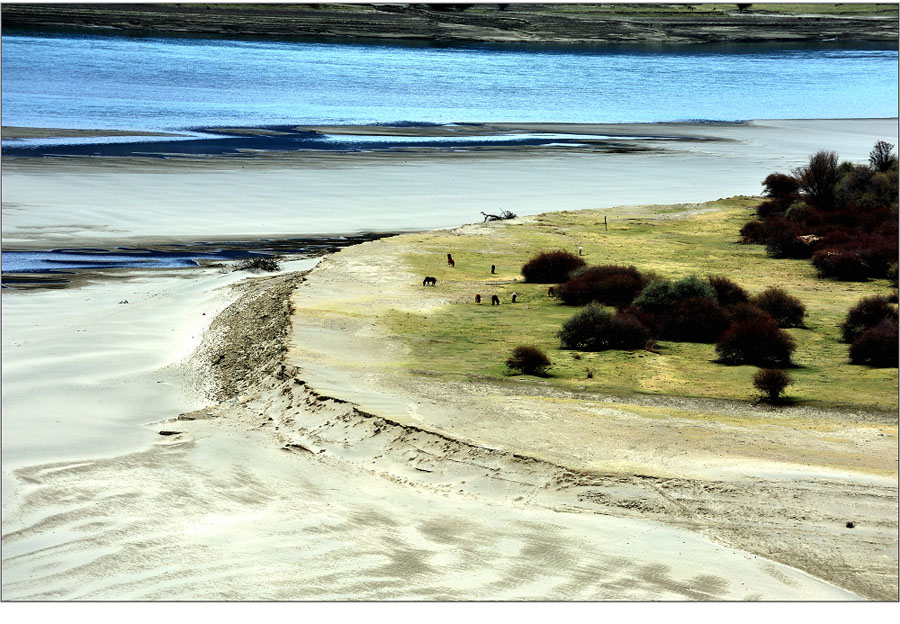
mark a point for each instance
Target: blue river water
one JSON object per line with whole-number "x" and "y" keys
{"x": 94, "y": 81}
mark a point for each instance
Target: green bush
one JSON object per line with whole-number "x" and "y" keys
{"x": 661, "y": 294}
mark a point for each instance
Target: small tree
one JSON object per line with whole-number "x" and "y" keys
{"x": 771, "y": 382}
{"x": 881, "y": 157}
{"x": 529, "y": 360}
{"x": 788, "y": 311}
{"x": 819, "y": 178}
{"x": 551, "y": 267}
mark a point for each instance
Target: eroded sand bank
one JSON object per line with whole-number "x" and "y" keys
{"x": 274, "y": 491}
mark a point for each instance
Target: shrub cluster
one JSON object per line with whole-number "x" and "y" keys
{"x": 715, "y": 310}
{"x": 842, "y": 216}
{"x": 551, "y": 267}
{"x": 610, "y": 285}
{"x": 529, "y": 360}
{"x": 686, "y": 310}
{"x": 595, "y": 329}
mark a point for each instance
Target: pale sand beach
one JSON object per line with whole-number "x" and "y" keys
{"x": 220, "y": 438}
{"x": 276, "y": 492}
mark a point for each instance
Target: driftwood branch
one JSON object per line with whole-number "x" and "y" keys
{"x": 506, "y": 214}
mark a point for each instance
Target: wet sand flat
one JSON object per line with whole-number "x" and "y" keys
{"x": 86, "y": 201}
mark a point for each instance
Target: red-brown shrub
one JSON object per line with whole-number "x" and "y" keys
{"x": 754, "y": 233}
{"x": 727, "y": 292}
{"x": 772, "y": 382}
{"x": 877, "y": 346}
{"x": 756, "y": 341}
{"x": 847, "y": 265}
{"x": 610, "y": 285}
{"x": 783, "y": 239}
{"x": 551, "y": 267}
{"x": 780, "y": 185}
{"x": 788, "y": 311}
{"x": 867, "y": 313}
{"x": 528, "y": 359}
{"x": 744, "y": 312}
{"x": 693, "y": 320}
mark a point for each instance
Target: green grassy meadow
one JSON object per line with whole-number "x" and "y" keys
{"x": 464, "y": 340}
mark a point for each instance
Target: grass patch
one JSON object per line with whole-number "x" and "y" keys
{"x": 463, "y": 340}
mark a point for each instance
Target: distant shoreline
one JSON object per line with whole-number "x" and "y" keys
{"x": 453, "y": 24}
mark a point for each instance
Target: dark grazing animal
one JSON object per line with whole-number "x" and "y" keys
{"x": 495, "y": 300}
{"x": 429, "y": 281}
{"x": 477, "y": 298}
{"x": 514, "y": 295}
{"x": 493, "y": 269}
{"x": 551, "y": 292}
{"x": 450, "y": 260}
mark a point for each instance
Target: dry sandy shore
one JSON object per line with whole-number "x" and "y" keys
{"x": 306, "y": 464}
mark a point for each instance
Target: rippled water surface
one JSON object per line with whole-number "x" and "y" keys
{"x": 83, "y": 81}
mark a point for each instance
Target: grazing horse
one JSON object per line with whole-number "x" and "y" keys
{"x": 514, "y": 295}
{"x": 429, "y": 281}
{"x": 495, "y": 300}
{"x": 477, "y": 298}
{"x": 450, "y": 260}
{"x": 493, "y": 269}
{"x": 551, "y": 292}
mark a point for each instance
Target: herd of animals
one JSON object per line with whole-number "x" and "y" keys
{"x": 495, "y": 300}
